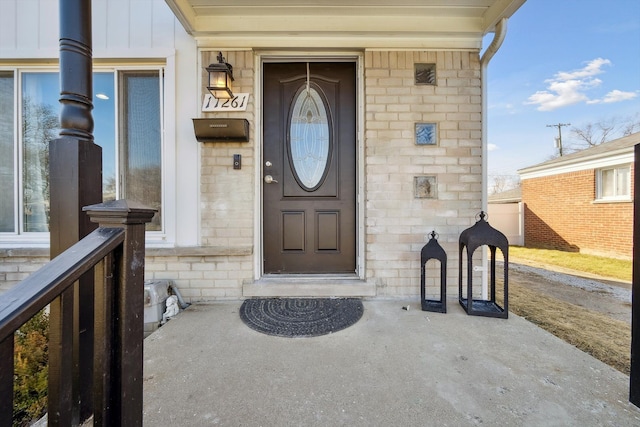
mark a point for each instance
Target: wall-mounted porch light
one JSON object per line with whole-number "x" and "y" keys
{"x": 220, "y": 78}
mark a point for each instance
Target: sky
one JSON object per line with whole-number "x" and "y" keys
{"x": 573, "y": 62}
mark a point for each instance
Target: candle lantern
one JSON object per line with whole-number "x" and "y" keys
{"x": 472, "y": 238}
{"x": 433, "y": 250}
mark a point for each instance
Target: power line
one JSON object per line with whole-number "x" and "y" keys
{"x": 559, "y": 138}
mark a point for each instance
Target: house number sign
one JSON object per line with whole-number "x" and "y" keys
{"x": 237, "y": 103}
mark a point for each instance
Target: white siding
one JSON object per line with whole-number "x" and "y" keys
{"x": 121, "y": 28}
{"x": 508, "y": 218}
{"x": 143, "y": 31}
{"x": 28, "y": 25}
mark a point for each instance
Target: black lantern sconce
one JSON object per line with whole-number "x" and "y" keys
{"x": 472, "y": 238}
{"x": 433, "y": 250}
{"x": 220, "y": 78}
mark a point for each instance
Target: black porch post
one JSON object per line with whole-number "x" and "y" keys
{"x": 634, "y": 386}
{"x": 75, "y": 174}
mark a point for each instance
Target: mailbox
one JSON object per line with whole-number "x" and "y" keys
{"x": 221, "y": 130}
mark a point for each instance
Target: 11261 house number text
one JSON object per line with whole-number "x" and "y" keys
{"x": 237, "y": 103}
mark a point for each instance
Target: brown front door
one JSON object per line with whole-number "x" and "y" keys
{"x": 309, "y": 167}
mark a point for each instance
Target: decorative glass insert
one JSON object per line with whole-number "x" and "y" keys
{"x": 425, "y": 187}
{"x": 309, "y": 138}
{"x": 426, "y": 134}
{"x": 425, "y": 74}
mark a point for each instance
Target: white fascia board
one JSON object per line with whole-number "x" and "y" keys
{"x": 220, "y": 25}
{"x": 604, "y": 160}
{"x": 338, "y": 41}
{"x": 401, "y": 32}
{"x": 498, "y": 10}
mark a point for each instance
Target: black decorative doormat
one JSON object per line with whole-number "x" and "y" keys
{"x": 300, "y": 317}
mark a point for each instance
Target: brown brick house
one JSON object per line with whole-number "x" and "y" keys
{"x": 582, "y": 201}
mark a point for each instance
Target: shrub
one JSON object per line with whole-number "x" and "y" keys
{"x": 31, "y": 370}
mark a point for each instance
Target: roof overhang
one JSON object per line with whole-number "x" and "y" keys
{"x": 613, "y": 153}
{"x": 613, "y": 158}
{"x": 408, "y": 24}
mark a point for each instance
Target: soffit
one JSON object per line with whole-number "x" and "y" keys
{"x": 342, "y": 23}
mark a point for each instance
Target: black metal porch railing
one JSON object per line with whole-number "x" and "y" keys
{"x": 115, "y": 252}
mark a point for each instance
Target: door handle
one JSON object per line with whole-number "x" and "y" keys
{"x": 269, "y": 179}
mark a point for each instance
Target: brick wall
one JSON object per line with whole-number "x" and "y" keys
{"x": 17, "y": 264}
{"x": 560, "y": 213}
{"x": 226, "y": 206}
{"x": 201, "y": 276}
{"x": 397, "y": 223}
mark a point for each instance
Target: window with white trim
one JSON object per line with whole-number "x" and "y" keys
{"x": 613, "y": 183}
{"x": 128, "y": 126}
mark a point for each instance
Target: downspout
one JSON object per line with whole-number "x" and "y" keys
{"x": 500, "y": 32}
{"x": 498, "y": 38}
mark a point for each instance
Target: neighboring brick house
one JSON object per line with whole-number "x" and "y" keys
{"x": 396, "y": 95}
{"x": 582, "y": 201}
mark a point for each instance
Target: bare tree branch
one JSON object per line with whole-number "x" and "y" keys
{"x": 592, "y": 134}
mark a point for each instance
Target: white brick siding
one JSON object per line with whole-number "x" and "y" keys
{"x": 397, "y": 223}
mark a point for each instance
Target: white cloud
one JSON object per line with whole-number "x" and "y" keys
{"x": 492, "y": 147}
{"x": 617, "y": 96}
{"x": 593, "y": 68}
{"x": 569, "y": 88}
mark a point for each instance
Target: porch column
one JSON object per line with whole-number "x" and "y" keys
{"x": 75, "y": 180}
{"x": 634, "y": 386}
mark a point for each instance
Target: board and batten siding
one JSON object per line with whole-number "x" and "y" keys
{"x": 29, "y": 29}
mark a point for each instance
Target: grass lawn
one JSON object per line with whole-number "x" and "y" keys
{"x": 607, "y": 267}
{"x": 604, "y": 338}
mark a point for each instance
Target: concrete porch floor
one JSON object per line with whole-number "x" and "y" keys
{"x": 392, "y": 368}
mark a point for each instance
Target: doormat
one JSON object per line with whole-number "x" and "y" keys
{"x": 300, "y": 317}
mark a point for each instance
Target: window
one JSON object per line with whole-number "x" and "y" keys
{"x": 7, "y": 153}
{"x": 614, "y": 183}
{"x": 128, "y": 121}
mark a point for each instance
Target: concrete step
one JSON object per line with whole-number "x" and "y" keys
{"x": 309, "y": 286}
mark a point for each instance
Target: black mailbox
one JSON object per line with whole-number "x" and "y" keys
{"x": 221, "y": 130}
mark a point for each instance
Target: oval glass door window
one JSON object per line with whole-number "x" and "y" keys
{"x": 309, "y": 138}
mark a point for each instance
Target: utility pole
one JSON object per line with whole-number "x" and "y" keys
{"x": 559, "y": 138}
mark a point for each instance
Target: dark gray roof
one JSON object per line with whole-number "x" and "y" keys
{"x": 611, "y": 147}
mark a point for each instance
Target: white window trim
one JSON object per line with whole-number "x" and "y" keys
{"x": 165, "y": 238}
{"x": 617, "y": 198}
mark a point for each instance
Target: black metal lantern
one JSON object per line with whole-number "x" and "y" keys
{"x": 433, "y": 250}
{"x": 220, "y": 78}
{"x": 472, "y": 238}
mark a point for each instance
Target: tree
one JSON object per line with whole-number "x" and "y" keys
{"x": 503, "y": 183}
{"x": 605, "y": 130}
{"x": 40, "y": 125}
{"x": 31, "y": 370}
